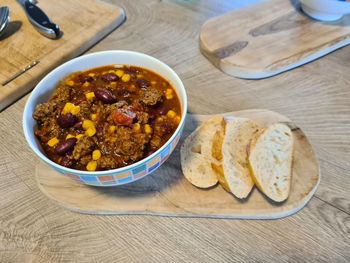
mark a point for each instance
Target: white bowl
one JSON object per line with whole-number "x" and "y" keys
{"x": 325, "y": 10}
{"x": 127, "y": 174}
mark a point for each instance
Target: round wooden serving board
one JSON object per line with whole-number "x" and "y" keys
{"x": 167, "y": 193}
{"x": 268, "y": 38}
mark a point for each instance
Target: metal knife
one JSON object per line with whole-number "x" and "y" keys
{"x": 40, "y": 20}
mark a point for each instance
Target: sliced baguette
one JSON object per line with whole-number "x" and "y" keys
{"x": 231, "y": 163}
{"x": 270, "y": 161}
{"x": 196, "y": 154}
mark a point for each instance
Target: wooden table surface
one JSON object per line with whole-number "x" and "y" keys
{"x": 316, "y": 97}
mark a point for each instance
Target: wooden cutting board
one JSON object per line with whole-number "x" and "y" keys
{"x": 83, "y": 22}
{"x": 167, "y": 193}
{"x": 269, "y": 38}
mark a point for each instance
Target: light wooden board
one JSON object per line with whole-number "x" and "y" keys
{"x": 83, "y": 22}
{"x": 269, "y": 38}
{"x": 167, "y": 193}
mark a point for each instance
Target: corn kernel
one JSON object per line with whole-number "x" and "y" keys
{"x": 91, "y": 74}
{"x": 111, "y": 129}
{"x": 90, "y": 131}
{"x": 70, "y": 82}
{"x": 113, "y": 84}
{"x": 91, "y": 166}
{"x": 67, "y": 108}
{"x": 93, "y": 116}
{"x": 111, "y": 71}
{"x": 160, "y": 119}
{"x": 177, "y": 119}
{"x": 75, "y": 110}
{"x": 86, "y": 84}
{"x": 119, "y": 73}
{"x": 153, "y": 82}
{"x": 169, "y": 94}
{"x": 90, "y": 96}
{"x": 88, "y": 124}
{"x": 79, "y": 136}
{"x": 136, "y": 127}
{"x": 171, "y": 114}
{"x": 52, "y": 142}
{"x": 70, "y": 136}
{"x": 96, "y": 155}
{"x": 148, "y": 128}
{"x": 139, "y": 76}
{"x": 125, "y": 77}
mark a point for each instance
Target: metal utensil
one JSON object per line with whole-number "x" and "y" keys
{"x": 40, "y": 20}
{"x": 4, "y": 18}
{"x": 20, "y": 72}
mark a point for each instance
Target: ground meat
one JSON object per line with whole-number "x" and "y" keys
{"x": 133, "y": 147}
{"x": 117, "y": 105}
{"x": 84, "y": 146}
{"x": 44, "y": 111}
{"x": 151, "y": 96}
{"x": 126, "y": 144}
{"x": 67, "y": 161}
{"x": 97, "y": 107}
{"x": 107, "y": 162}
{"x": 84, "y": 160}
{"x": 85, "y": 110}
{"x": 49, "y": 129}
{"x": 62, "y": 94}
{"x": 155, "y": 142}
{"x": 142, "y": 117}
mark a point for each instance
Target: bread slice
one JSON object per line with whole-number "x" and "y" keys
{"x": 196, "y": 154}
{"x": 231, "y": 163}
{"x": 270, "y": 160}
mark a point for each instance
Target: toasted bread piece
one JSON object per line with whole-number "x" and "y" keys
{"x": 232, "y": 162}
{"x": 270, "y": 160}
{"x": 196, "y": 154}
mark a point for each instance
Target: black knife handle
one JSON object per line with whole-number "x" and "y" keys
{"x": 41, "y": 21}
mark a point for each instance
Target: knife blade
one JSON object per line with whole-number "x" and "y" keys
{"x": 40, "y": 20}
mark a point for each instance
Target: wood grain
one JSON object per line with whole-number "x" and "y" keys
{"x": 269, "y": 38}
{"x": 168, "y": 193}
{"x": 316, "y": 97}
{"x": 83, "y": 24}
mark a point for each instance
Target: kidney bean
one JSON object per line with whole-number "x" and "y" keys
{"x": 109, "y": 77}
{"x": 67, "y": 120}
{"x": 79, "y": 125}
{"x": 162, "y": 110}
{"x": 123, "y": 93}
{"x": 85, "y": 78}
{"x": 143, "y": 83}
{"x": 131, "y": 70}
{"x": 105, "y": 96}
{"x": 65, "y": 146}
